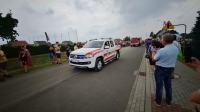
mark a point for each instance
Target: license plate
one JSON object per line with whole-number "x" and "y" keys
{"x": 74, "y": 60}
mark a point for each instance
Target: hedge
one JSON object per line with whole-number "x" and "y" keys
{"x": 34, "y": 50}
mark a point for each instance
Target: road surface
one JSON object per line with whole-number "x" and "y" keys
{"x": 63, "y": 88}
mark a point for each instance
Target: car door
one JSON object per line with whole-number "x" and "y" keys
{"x": 107, "y": 50}
{"x": 112, "y": 49}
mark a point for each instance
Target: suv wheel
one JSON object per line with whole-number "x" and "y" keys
{"x": 98, "y": 65}
{"x": 117, "y": 55}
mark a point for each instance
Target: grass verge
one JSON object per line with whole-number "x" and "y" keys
{"x": 39, "y": 62}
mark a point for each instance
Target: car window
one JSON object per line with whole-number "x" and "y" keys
{"x": 107, "y": 43}
{"x": 94, "y": 44}
{"x": 111, "y": 44}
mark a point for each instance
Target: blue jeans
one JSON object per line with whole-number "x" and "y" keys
{"x": 163, "y": 76}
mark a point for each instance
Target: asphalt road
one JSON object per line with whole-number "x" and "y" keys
{"x": 66, "y": 89}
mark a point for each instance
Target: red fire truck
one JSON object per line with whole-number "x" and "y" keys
{"x": 136, "y": 41}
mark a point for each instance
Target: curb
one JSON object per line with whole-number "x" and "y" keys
{"x": 140, "y": 96}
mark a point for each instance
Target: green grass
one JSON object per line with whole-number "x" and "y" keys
{"x": 39, "y": 62}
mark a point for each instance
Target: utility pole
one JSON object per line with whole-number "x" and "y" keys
{"x": 76, "y": 35}
{"x": 68, "y": 36}
{"x": 61, "y": 37}
{"x": 55, "y": 37}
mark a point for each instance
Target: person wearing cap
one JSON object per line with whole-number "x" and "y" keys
{"x": 165, "y": 61}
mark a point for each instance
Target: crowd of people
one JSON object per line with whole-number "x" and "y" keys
{"x": 55, "y": 52}
{"x": 163, "y": 54}
{"x": 25, "y": 59}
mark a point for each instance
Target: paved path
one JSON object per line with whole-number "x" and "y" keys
{"x": 65, "y": 89}
{"x": 143, "y": 90}
{"x": 188, "y": 82}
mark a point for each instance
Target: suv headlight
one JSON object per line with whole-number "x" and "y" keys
{"x": 88, "y": 55}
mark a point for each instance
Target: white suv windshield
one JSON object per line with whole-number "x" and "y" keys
{"x": 94, "y": 44}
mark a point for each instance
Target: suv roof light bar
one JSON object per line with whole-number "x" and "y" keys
{"x": 92, "y": 39}
{"x": 106, "y": 38}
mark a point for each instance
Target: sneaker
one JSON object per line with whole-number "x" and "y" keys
{"x": 168, "y": 104}
{"x": 157, "y": 104}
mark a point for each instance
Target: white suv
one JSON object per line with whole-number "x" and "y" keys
{"x": 95, "y": 54}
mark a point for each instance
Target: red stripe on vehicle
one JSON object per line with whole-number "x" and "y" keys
{"x": 108, "y": 58}
{"x": 97, "y": 52}
{"x": 91, "y": 52}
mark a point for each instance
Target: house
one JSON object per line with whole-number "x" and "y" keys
{"x": 19, "y": 43}
{"x": 39, "y": 43}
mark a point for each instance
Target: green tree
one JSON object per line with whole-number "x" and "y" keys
{"x": 7, "y": 25}
{"x": 195, "y": 35}
{"x": 127, "y": 38}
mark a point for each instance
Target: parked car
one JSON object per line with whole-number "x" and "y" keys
{"x": 95, "y": 54}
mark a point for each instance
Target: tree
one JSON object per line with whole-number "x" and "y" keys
{"x": 7, "y": 25}
{"x": 195, "y": 35}
{"x": 127, "y": 38}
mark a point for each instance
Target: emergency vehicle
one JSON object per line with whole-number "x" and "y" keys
{"x": 95, "y": 54}
{"x": 135, "y": 42}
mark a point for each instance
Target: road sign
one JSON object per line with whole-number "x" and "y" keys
{"x": 168, "y": 26}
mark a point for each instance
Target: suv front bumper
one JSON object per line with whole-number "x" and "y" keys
{"x": 83, "y": 63}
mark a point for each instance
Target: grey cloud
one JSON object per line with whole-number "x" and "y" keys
{"x": 135, "y": 10}
{"x": 85, "y": 5}
{"x": 49, "y": 11}
{"x": 35, "y": 11}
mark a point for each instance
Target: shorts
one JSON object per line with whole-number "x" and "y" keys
{"x": 58, "y": 55}
{"x": 51, "y": 55}
{"x": 3, "y": 65}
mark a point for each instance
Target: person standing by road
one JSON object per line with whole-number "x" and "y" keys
{"x": 75, "y": 47}
{"x": 147, "y": 44}
{"x": 58, "y": 52}
{"x": 165, "y": 59}
{"x": 52, "y": 54}
{"x": 68, "y": 50}
{"x": 25, "y": 58}
{"x": 3, "y": 64}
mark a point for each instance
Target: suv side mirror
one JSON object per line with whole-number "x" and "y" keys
{"x": 106, "y": 47}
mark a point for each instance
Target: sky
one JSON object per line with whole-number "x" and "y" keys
{"x": 88, "y": 19}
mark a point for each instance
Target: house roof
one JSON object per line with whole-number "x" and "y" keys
{"x": 41, "y": 42}
{"x": 19, "y": 43}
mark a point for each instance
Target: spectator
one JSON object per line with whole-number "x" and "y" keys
{"x": 147, "y": 44}
{"x": 3, "y": 63}
{"x": 75, "y": 47}
{"x": 165, "y": 59}
{"x": 68, "y": 50}
{"x": 155, "y": 45}
{"x": 195, "y": 64}
{"x": 195, "y": 99}
{"x": 52, "y": 54}
{"x": 58, "y": 53}
{"x": 25, "y": 58}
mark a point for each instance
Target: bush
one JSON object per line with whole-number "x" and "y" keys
{"x": 34, "y": 50}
